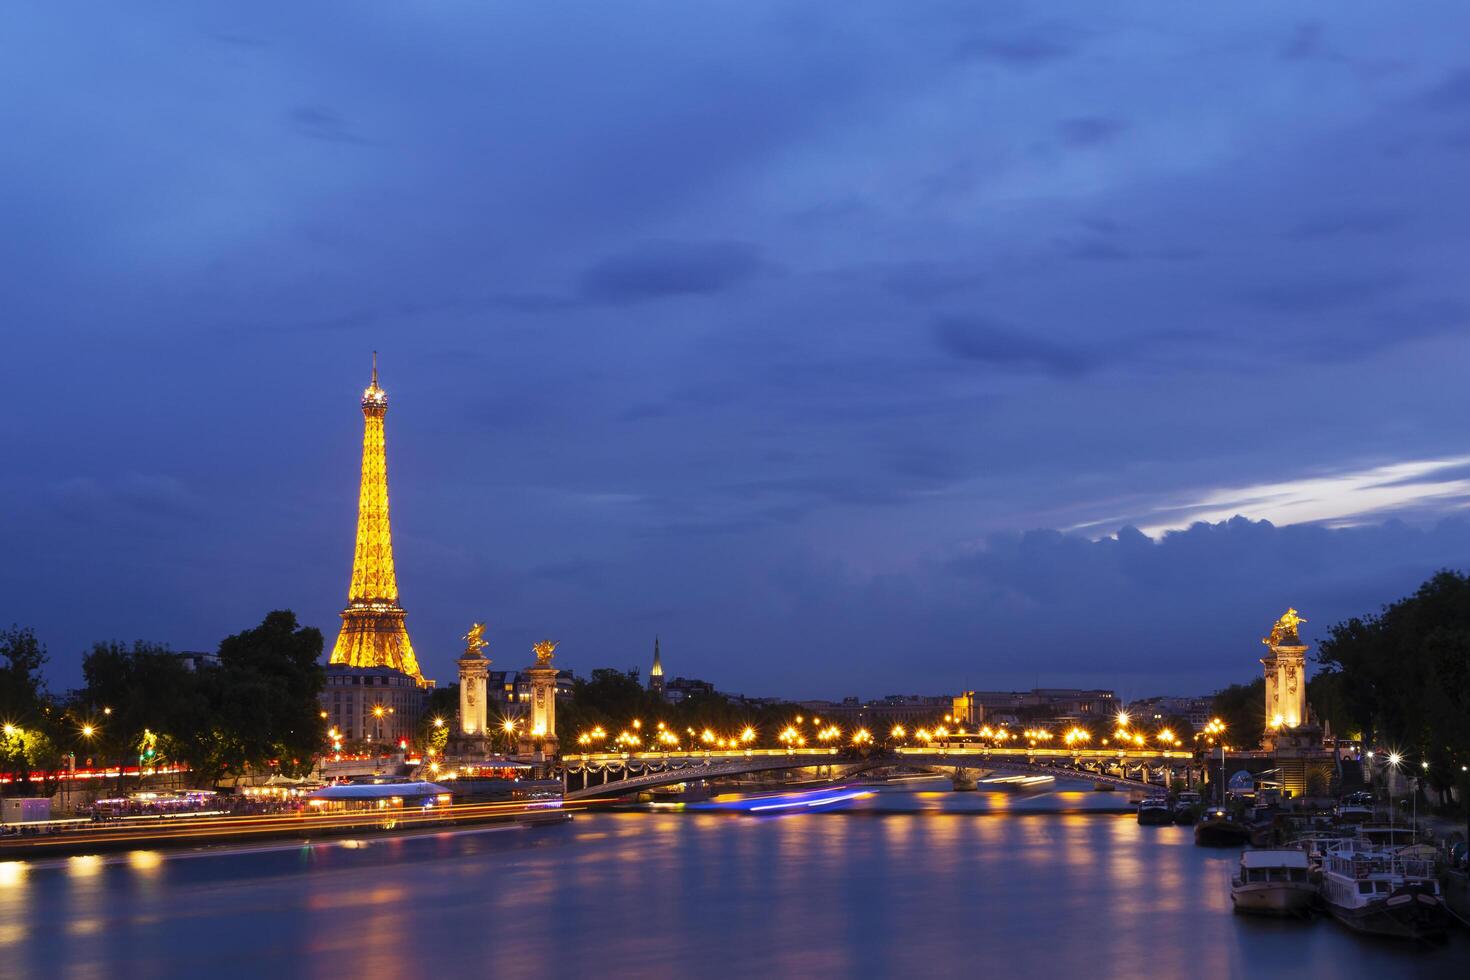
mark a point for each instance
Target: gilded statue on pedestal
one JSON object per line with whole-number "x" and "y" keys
{"x": 544, "y": 650}
{"x": 474, "y": 640}
{"x": 1284, "y": 633}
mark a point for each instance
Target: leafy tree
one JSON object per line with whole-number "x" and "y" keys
{"x": 22, "y": 689}
{"x": 32, "y": 735}
{"x": 1403, "y": 676}
{"x": 144, "y": 698}
{"x": 1242, "y": 707}
{"x": 443, "y": 706}
{"x": 266, "y": 696}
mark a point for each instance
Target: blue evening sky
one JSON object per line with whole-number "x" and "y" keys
{"x": 852, "y": 348}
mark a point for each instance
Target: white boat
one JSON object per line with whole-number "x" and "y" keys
{"x": 1384, "y": 891}
{"x": 1273, "y": 881}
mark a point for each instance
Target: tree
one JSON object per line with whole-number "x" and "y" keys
{"x": 438, "y": 719}
{"x": 1403, "y": 676}
{"x": 31, "y": 736}
{"x": 1243, "y": 709}
{"x": 266, "y": 697}
{"x": 22, "y": 689}
{"x": 141, "y": 699}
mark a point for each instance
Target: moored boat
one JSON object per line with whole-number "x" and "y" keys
{"x": 1218, "y": 827}
{"x": 1383, "y": 891}
{"x": 1155, "y": 811}
{"x": 1187, "y": 809}
{"x": 1273, "y": 881}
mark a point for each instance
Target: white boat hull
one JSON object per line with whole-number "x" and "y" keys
{"x": 1274, "y": 897}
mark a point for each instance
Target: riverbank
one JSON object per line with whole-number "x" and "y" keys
{"x": 305, "y": 825}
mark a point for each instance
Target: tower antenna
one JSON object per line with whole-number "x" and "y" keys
{"x": 375, "y": 369}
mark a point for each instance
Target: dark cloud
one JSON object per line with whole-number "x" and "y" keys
{"x": 1091, "y": 130}
{"x": 1453, "y": 93}
{"x": 323, "y": 123}
{"x": 1314, "y": 294}
{"x": 931, "y": 280}
{"x": 1026, "y": 51}
{"x": 1307, "y": 41}
{"x": 658, "y": 269}
{"x": 990, "y": 343}
{"x": 1095, "y": 250}
{"x": 1333, "y": 225}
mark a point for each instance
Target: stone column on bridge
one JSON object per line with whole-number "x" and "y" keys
{"x": 539, "y": 736}
{"x": 1286, "y": 678}
{"x": 473, "y": 667}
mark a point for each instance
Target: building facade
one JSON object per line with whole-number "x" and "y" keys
{"x": 377, "y": 705}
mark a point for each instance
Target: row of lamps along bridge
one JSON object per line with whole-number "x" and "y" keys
{"x": 794, "y": 735}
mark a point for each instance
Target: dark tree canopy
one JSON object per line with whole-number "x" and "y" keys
{"x": 1242, "y": 707}
{"x": 1403, "y": 676}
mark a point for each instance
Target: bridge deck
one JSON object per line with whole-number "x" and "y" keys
{"x": 645, "y": 770}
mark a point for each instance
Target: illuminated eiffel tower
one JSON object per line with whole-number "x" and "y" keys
{"x": 373, "y": 634}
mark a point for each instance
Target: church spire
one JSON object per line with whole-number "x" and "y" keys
{"x": 656, "y": 675}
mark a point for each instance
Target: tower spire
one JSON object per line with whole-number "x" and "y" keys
{"x": 656, "y": 673}
{"x": 373, "y": 632}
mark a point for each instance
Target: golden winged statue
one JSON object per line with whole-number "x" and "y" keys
{"x": 474, "y": 640}
{"x": 544, "y": 650}
{"x": 1284, "y": 633}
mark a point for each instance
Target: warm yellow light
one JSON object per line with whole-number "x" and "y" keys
{"x": 509, "y": 725}
{"x": 1122, "y": 719}
{"x": 748, "y": 735}
{"x": 378, "y": 710}
{"x": 10, "y": 729}
{"x": 637, "y": 724}
{"x": 897, "y": 732}
{"x": 438, "y": 722}
{"x": 88, "y": 731}
{"x": 1165, "y": 735}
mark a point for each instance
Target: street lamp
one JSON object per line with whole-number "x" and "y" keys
{"x": 1393, "y": 763}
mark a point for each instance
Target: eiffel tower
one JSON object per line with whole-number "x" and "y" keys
{"x": 373, "y": 633}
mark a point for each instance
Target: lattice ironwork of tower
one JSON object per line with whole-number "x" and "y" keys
{"x": 373, "y": 633}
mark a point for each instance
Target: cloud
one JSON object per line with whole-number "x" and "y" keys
{"x": 323, "y": 123}
{"x": 1452, "y": 94}
{"x": 659, "y": 269}
{"x": 1307, "y": 41}
{"x": 1089, "y": 131}
{"x": 987, "y": 342}
{"x": 131, "y": 498}
{"x": 1334, "y": 499}
{"x": 1024, "y": 51}
{"x": 1335, "y": 225}
{"x": 930, "y": 280}
{"x": 1322, "y": 293}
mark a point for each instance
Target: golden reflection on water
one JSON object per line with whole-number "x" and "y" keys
{"x": 12, "y": 874}
{"x": 145, "y": 862}
{"x": 84, "y": 865}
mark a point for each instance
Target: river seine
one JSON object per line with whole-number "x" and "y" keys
{"x": 911, "y": 881}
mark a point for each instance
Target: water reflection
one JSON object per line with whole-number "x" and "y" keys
{"x": 931, "y": 883}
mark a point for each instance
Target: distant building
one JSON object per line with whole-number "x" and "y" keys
{"x": 523, "y": 689}
{"x": 373, "y": 704}
{"x": 1062, "y": 703}
{"x": 1194, "y": 710}
{"x": 197, "y": 660}
{"x": 656, "y": 674}
{"x": 893, "y": 709}
{"x": 682, "y": 688}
